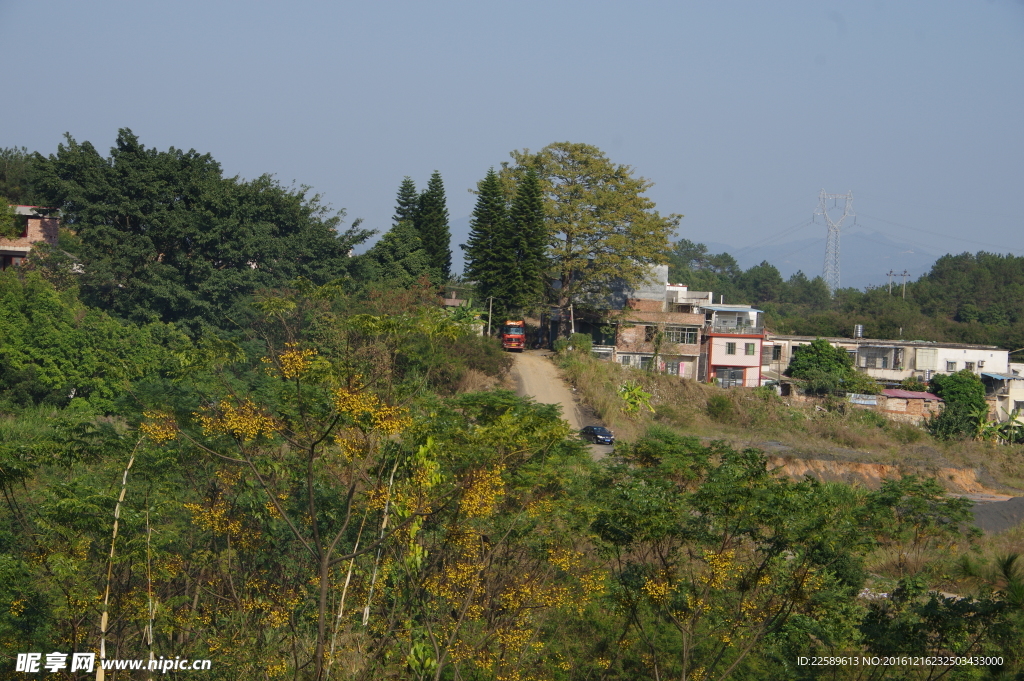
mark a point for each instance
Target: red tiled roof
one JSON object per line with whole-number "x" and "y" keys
{"x": 910, "y": 395}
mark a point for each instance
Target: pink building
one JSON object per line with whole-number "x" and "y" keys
{"x": 35, "y": 227}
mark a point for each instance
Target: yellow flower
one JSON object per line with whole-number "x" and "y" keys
{"x": 161, "y": 427}
{"x": 244, "y": 421}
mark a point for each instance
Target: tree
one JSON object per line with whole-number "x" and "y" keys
{"x": 820, "y": 355}
{"x": 432, "y": 225}
{"x": 529, "y": 240}
{"x": 602, "y": 229}
{"x": 965, "y": 408}
{"x": 487, "y": 259}
{"x": 762, "y": 283}
{"x": 399, "y": 257}
{"x": 164, "y": 236}
{"x": 16, "y": 181}
{"x": 408, "y": 200}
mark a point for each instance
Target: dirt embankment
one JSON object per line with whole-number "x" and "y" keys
{"x": 871, "y": 475}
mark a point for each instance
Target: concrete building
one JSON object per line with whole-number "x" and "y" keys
{"x": 891, "y": 361}
{"x": 36, "y": 226}
{"x": 731, "y": 348}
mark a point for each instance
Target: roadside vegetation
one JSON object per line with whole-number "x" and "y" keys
{"x": 223, "y": 437}
{"x": 824, "y": 428}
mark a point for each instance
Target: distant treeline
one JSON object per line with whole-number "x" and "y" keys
{"x": 968, "y": 298}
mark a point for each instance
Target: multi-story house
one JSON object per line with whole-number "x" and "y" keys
{"x": 35, "y": 226}
{"x": 731, "y": 346}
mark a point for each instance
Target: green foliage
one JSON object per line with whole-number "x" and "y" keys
{"x": 488, "y": 262}
{"x": 819, "y": 356}
{"x": 10, "y": 228}
{"x": 963, "y": 395}
{"x": 407, "y": 202}
{"x": 164, "y": 236}
{"x": 432, "y": 224}
{"x": 53, "y": 349}
{"x": 17, "y": 176}
{"x": 581, "y": 342}
{"x": 914, "y": 384}
{"x": 528, "y": 241}
{"x": 601, "y": 227}
{"x": 398, "y": 258}
{"x": 720, "y": 408}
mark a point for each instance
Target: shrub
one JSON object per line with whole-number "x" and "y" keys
{"x": 581, "y": 342}
{"x": 720, "y": 408}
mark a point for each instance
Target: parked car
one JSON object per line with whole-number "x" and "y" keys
{"x": 598, "y": 435}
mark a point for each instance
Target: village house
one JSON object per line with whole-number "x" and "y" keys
{"x": 35, "y": 226}
{"x": 731, "y": 347}
{"x": 891, "y": 361}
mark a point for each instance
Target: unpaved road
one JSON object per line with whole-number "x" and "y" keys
{"x": 536, "y": 376}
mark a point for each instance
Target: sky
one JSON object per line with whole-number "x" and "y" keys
{"x": 739, "y": 112}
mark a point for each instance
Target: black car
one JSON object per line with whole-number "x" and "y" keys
{"x": 598, "y": 435}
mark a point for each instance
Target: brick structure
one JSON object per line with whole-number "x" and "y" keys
{"x": 908, "y": 406}
{"x": 36, "y": 227}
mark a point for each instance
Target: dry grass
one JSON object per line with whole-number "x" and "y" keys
{"x": 759, "y": 418}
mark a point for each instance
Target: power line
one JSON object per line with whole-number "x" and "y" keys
{"x": 946, "y": 236}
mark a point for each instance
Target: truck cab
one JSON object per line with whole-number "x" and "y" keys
{"x": 513, "y": 335}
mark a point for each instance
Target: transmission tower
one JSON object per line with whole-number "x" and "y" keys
{"x": 832, "y": 202}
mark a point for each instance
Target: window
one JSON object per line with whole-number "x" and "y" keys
{"x": 730, "y": 348}
{"x": 950, "y": 366}
{"x": 672, "y": 368}
{"x": 969, "y": 366}
{"x": 776, "y": 353}
{"x": 681, "y": 334}
{"x": 749, "y": 348}
{"x": 626, "y": 360}
{"x": 1018, "y": 405}
{"x": 645, "y": 362}
{"x": 650, "y": 332}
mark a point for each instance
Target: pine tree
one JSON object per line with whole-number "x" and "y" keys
{"x": 528, "y": 238}
{"x": 487, "y": 261}
{"x": 432, "y": 224}
{"x": 408, "y": 202}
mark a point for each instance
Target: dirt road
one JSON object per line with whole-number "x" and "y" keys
{"x": 536, "y": 376}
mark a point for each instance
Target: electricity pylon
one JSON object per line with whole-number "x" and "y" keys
{"x": 831, "y": 271}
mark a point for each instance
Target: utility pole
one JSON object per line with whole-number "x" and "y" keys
{"x": 905, "y": 275}
{"x": 890, "y": 281}
{"x": 490, "y": 308}
{"x": 831, "y": 269}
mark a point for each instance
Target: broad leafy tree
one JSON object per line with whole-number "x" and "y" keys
{"x": 399, "y": 258}
{"x": 165, "y": 236}
{"x": 601, "y": 226}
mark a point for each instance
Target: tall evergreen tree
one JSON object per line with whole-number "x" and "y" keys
{"x": 528, "y": 240}
{"x": 407, "y": 203}
{"x": 432, "y": 224}
{"x": 487, "y": 259}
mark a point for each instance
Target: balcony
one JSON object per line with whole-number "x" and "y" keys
{"x": 733, "y": 328}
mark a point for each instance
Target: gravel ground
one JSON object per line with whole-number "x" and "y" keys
{"x": 999, "y": 516}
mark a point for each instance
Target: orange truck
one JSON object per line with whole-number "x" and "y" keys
{"x": 513, "y": 335}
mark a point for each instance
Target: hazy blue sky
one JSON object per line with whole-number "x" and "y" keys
{"x": 740, "y": 112}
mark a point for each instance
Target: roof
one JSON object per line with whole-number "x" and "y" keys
{"x": 910, "y": 395}
{"x": 1002, "y": 377}
{"x": 731, "y": 308}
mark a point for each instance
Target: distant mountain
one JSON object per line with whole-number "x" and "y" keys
{"x": 865, "y": 258}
